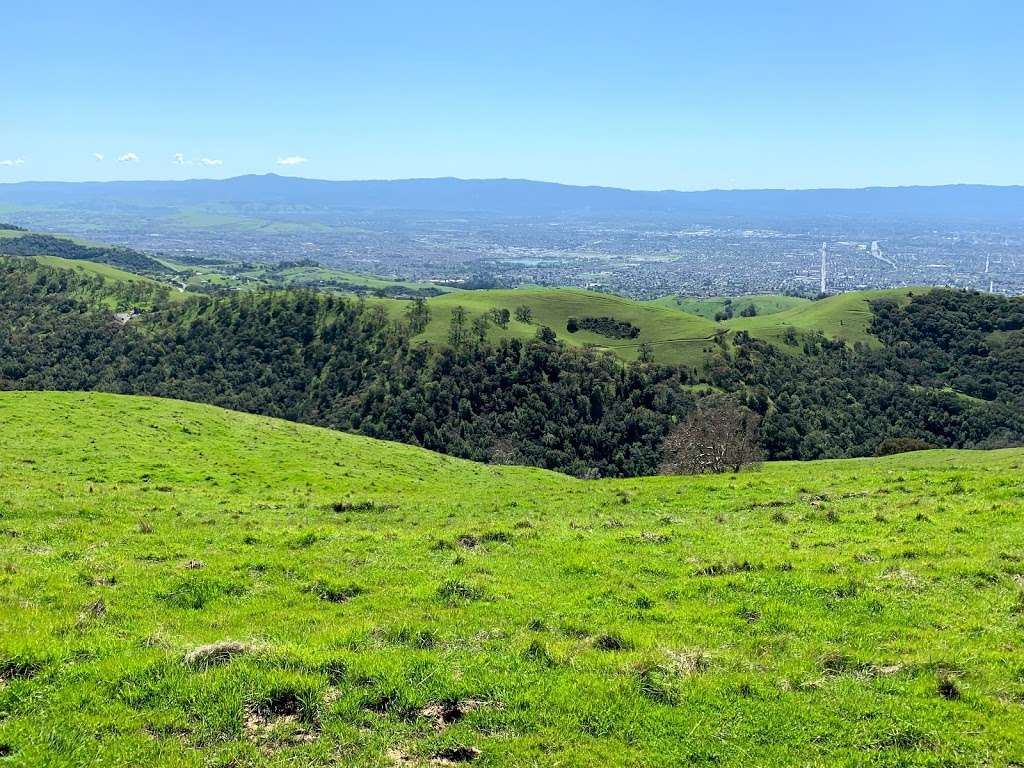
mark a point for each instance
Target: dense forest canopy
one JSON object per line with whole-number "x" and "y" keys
{"x": 950, "y": 373}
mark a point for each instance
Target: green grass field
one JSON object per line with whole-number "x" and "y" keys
{"x": 310, "y": 275}
{"x": 201, "y": 219}
{"x": 380, "y": 605}
{"x": 844, "y": 316}
{"x": 709, "y": 307}
{"x": 93, "y": 268}
{"x": 83, "y": 266}
{"x": 675, "y": 337}
{"x": 263, "y": 275}
{"x": 107, "y": 272}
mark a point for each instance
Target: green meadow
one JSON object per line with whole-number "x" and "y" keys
{"x": 845, "y": 316}
{"x": 711, "y": 306}
{"x": 107, "y": 272}
{"x": 674, "y": 337}
{"x": 186, "y": 586}
{"x": 263, "y": 276}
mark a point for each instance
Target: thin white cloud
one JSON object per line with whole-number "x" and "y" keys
{"x": 128, "y": 157}
{"x": 179, "y": 159}
{"x": 99, "y": 156}
{"x": 293, "y": 160}
{"x": 9, "y": 163}
{"x": 208, "y": 162}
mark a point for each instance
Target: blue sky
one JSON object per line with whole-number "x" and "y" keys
{"x": 649, "y": 95}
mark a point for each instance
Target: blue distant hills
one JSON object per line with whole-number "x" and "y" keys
{"x": 523, "y": 198}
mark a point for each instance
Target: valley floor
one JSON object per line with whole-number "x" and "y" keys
{"x": 376, "y": 604}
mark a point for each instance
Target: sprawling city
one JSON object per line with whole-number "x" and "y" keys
{"x": 641, "y": 256}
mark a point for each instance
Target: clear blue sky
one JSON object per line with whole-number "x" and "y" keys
{"x": 685, "y": 95}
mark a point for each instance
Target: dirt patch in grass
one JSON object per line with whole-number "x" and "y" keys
{"x": 455, "y": 755}
{"x": 280, "y": 719}
{"x": 947, "y": 686}
{"x": 400, "y": 759}
{"x": 445, "y": 713}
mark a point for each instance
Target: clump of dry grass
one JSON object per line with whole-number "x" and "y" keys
{"x": 212, "y": 654}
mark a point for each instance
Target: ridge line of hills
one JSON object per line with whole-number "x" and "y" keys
{"x": 521, "y": 197}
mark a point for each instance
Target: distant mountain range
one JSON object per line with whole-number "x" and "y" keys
{"x": 515, "y": 197}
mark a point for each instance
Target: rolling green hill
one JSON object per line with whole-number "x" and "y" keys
{"x": 235, "y": 275}
{"x": 107, "y": 272}
{"x": 675, "y": 337}
{"x": 845, "y": 316}
{"x": 93, "y": 268}
{"x": 711, "y": 306}
{"x": 679, "y": 331}
{"x": 182, "y": 585}
{"x": 24, "y": 243}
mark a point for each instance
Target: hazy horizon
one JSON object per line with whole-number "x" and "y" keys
{"x": 507, "y": 179}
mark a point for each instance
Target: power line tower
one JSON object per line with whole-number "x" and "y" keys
{"x": 824, "y": 252}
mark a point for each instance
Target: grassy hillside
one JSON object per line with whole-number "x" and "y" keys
{"x": 677, "y": 334}
{"x": 106, "y": 271}
{"x": 679, "y": 330}
{"x": 24, "y": 243}
{"x": 711, "y": 306}
{"x": 192, "y": 218}
{"x": 10, "y": 233}
{"x": 93, "y": 268}
{"x": 844, "y": 316}
{"x": 381, "y": 605}
{"x": 237, "y": 275}
{"x": 674, "y": 336}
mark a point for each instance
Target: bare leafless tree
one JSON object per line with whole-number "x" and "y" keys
{"x": 505, "y": 451}
{"x": 719, "y": 435}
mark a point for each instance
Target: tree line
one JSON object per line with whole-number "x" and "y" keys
{"x": 33, "y": 244}
{"x": 343, "y": 362}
